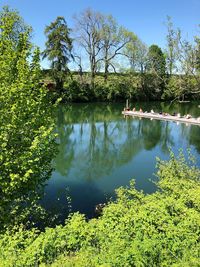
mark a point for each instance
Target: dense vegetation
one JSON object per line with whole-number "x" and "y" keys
{"x": 161, "y": 229}
{"x": 26, "y": 136}
{"x": 122, "y": 86}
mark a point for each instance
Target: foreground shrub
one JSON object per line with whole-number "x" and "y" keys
{"x": 161, "y": 229}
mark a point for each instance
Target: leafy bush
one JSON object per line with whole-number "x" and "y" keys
{"x": 26, "y": 135}
{"x": 161, "y": 229}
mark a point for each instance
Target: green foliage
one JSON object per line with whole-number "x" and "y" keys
{"x": 177, "y": 87}
{"x": 197, "y": 54}
{"x": 161, "y": 229}
{"x": 130, "y": 85}
{"x": 58, "y": 49}
{"x": 156, "y": 65}
{"x": 118, "y": 87}
{"x": 136, "y": 51}
{"x": 172, "y": 45}
{"x": 12, "y": 32}
{"x": 26, "y": 135}
{"x": 156, "y": 60}
{"x": 77, "y": 92}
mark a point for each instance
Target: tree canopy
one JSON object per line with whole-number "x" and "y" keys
{"x": 156, "y": 60}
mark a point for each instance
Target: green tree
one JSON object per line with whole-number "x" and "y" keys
{"x": 197, "y": 40}
{"x": 156, "y": 61}
{"x": 156, "y": 66}
{"x": 172, "y": 45}
{"x": 12, "y": 28}
{"x": 58, "y": 49}
{"x": 186, "y": 83}
{"x": 26, "y": 134}
{"x": 18, "y": 26}
{"x": 113, "y": 40}
{"x": 136, "y": 51}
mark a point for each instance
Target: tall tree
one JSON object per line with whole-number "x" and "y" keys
{"x": 156, "y": 66}
{"x": 26, "y": 133}
{"x": 197, "y": 52}
{"x": 17, "y": 26}
{"x": 187, "y": 82}
{"x": 58, "y": 49}
{"x": 113, "y": 39}
{"x": 102, "y": 39}
{"x": 88, "y": 29}
{"x": 156, "y": 61}
{"x": 136, "y": 51}
{"x": 182, "y": 59}
{"x": 172, "y": 44}
{"x": 11, "y": 38}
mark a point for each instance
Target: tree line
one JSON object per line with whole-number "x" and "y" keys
{"x": 171, "y": 73}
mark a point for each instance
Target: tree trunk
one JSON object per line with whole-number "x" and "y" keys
{"x": 106, "y": 71}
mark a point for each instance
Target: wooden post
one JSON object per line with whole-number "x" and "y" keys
{"x": 127, "y": 104}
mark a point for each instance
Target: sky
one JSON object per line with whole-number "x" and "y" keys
{"x": 146, "y": 18}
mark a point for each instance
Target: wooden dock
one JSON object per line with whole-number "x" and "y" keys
{"x": 157, "y": 116}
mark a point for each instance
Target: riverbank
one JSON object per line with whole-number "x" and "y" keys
{"x": 122, "y": 86}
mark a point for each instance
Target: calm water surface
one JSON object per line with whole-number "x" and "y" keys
{"x": 100, "y": 150}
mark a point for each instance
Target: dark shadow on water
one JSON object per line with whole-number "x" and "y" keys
{"x": 78, "y": 197}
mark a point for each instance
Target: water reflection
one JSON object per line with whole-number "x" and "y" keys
{"x": 100, "y": 151}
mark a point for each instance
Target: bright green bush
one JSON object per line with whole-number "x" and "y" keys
{"x": 26, "y": 134}
{"x": 161, "y": 229}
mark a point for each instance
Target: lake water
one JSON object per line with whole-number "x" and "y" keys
{"x": 100, "y": 150}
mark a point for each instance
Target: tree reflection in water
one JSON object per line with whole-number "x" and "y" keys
{"x": 100, "y": 150}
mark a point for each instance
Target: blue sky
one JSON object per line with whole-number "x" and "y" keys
{"x": 144, "y": 17}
